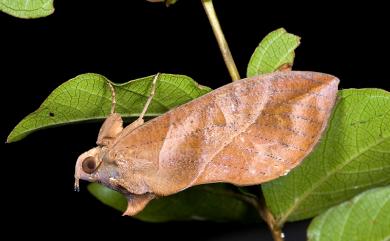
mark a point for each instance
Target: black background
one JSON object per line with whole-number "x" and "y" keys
{"x": 124, "y": 40}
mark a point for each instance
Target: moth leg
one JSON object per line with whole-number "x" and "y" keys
{"x": 112, "y": 126}
{"x": 136, "y": 203}
{"x": 140, "y": 120}
{"x": 151, "y": 95}
{"x": 113, "y": 97}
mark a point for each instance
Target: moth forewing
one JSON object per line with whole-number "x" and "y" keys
{"x": 247, "y": 132}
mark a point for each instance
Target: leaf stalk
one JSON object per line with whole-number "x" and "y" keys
{"x": 223, "y": 45}
{"x": 258, "y": 202}
{"x": 267, "y": 216}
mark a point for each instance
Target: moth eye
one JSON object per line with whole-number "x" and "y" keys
{"x": 89, "y": 165}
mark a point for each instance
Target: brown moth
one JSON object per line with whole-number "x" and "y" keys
{"x": 247, "y": 132}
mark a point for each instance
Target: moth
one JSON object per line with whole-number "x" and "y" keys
{"x": 245, "y": 133}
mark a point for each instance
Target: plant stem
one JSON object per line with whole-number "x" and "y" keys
{"x": 260, "y": 205}
{"x": 223, "y": 45}
{"x": 267, "y": 216}
{"x": 258, "y": 202}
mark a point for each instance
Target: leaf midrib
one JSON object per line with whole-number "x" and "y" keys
{"x": 376, "y": 215}
{"x": 25, "y": 10}
{"x": 266, "y": 47}
{"x": 284, "y": 217}
{"x": 288, "y": 52}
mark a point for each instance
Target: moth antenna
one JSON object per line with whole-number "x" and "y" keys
{"x": 113, "y": 103}
{"x": 151, "y": 95}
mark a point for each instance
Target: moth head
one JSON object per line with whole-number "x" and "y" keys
{"x": 91, "y": 167}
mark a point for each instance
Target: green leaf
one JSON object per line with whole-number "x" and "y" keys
{"x": 170, "y": 2}
{"x": 364, "y": 218}
{"x": 353, "y": 156}
{"x": 108, "y": 196}
{"x": 216, "y": 202}
{"x": 167, "y": 2}
{"x": 27, "y": 8}
{"x": 88, "y": 97}
{"x": 273, "y": 52}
